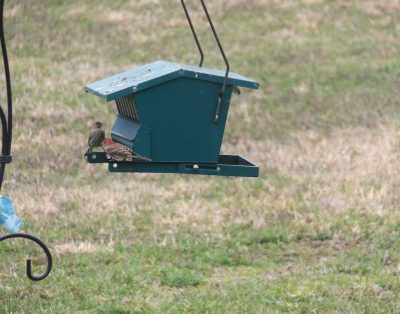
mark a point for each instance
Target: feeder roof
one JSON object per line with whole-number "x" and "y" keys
{"x": 159, "y": 72}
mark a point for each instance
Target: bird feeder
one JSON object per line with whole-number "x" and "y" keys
{"x": 174, "y": 115}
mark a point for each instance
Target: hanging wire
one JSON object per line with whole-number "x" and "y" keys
{"x": 5, "y": 157}
{"x": 194, "y": 33}
{"x": 221, "y": 93}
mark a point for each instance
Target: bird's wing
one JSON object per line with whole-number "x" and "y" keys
{"x": 120, "y": 152}
{"x": 90, "y": 139}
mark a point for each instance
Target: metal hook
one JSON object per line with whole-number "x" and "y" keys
{"x": 28, "y": 261}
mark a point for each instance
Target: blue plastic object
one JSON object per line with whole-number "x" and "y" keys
{"x": 8, "y": 218}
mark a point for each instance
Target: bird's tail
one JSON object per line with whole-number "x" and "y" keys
{"x": 141, "y": 158}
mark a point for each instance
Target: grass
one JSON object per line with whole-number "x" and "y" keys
{"x": 317, "y": 232}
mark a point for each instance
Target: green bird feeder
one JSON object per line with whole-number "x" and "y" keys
{"x": 174, "y": 115}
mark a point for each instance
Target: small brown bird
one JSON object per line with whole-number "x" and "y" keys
{"x": 236, "y": 90}
{"x": 96, "y": 136}
{"x": 118, "y": 152}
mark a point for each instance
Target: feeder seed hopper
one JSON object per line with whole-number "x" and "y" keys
{"x": 174, "y": 115}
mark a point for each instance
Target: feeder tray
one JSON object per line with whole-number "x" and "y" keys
{"x": 228, "y": 165}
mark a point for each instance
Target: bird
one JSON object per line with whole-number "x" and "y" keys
{"x": 236, "y": 90}
{"x": 96, "y": 136}
{"x": 118, "y": 152}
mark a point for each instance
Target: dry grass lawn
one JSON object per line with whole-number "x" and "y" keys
{"x": 317, "y": 232}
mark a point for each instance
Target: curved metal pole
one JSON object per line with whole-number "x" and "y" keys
{"x": 28, "y": 261}
{"x": 222, "y": 91}
{"x": 6, "y": 125}
{"x": 5, "y": 156}
{"x": 194, "y": 33}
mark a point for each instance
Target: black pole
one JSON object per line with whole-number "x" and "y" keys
{"x": 6, "y": 124}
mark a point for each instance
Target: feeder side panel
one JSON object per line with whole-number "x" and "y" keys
{"x": 179, "y": 115}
